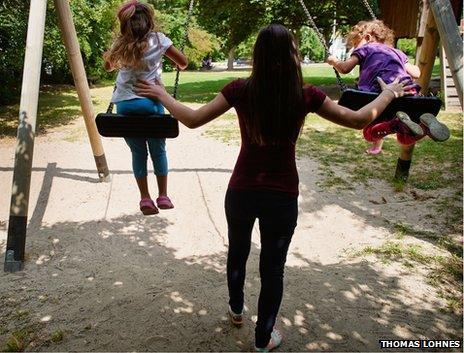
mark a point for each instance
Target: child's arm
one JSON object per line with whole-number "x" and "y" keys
{"x": 412, "y": 70}
{"x": 343, "y": 67}
{"x": 191, "y": 118}
{"x": 177, "y": 57}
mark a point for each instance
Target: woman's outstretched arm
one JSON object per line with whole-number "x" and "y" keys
{"x": 192, "y": 118}
{"x": 359, "y": 119}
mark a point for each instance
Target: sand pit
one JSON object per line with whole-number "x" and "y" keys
{"x": 102, "y": 277}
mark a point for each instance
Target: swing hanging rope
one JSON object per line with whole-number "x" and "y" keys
{"x": 182, "y": 47}
{"x": 183, "y": 43}
{"x": 369, "y": 9}
{"x": 322, "y": 40}
{"x": 164, "y": 126}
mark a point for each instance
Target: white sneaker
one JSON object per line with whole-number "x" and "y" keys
{"x": 274, "y": 342}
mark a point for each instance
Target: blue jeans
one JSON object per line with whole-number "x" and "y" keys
{"x": 277, "y": 214}
{"x": 138, "y": 146}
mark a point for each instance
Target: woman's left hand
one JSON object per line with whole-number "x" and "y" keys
{"x": 154, "y": 91}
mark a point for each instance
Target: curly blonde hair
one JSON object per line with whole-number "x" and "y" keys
{"x": 136, "y": 21}
{"x": 377, "y": 29}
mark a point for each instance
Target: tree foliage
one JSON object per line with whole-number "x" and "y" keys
{"x": 233, "y": 21}
{"x": 216, "y": 24}
{"x": 94, "y": 20}
{"x": 199, "y": 44}
{"x": 311, "y": 46}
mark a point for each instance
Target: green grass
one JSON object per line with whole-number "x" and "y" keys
{"x": 58, "y": 105}
{"x": 444, "y": 272}
{"x": 16, "y": 342}
{"x": 57, "y": 336}
{"x": 201, "y": 87}
{"x": 435, "y": 165}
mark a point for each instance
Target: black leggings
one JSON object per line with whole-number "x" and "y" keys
{"x": 277, "y": 213}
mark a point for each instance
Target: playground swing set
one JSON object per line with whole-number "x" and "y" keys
{"x": 156, "y": 125}
{"x": 440, "y": 23}
{"x": 441, "y": 16}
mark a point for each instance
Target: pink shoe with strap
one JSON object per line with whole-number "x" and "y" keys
{"x": 164, "y": 203}
{"x": 147, "y": 206}
{"x": 374, "y": 150}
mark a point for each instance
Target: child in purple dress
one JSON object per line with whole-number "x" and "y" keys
{"x": 376, "y": 56}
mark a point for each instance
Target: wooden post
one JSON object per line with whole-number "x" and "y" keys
{"x": 451, "y": 39}
{"x": 69, "y": 36}
{"x": 428, "y": 52}
{"x": 16, "y": 242}
{"x": 421, "y": 29}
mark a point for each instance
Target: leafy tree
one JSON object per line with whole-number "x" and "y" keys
{"x": 245, "y": 49}
{"x": 199, "y": 44}
{"x": 13, "y": 23}
{"x": 408, "y": 46}
{"x": 93, "y": 19}
{"x": 310, "y": 45}
{"x": 232, "y": 21}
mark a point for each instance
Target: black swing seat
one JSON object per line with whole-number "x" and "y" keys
{"x": 156, "y": 126}
{"x": 414, "y": 106}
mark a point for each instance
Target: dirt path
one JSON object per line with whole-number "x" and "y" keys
{"x": 101, "y": 277}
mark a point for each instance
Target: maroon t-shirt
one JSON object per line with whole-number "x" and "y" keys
{"x": 265, "y": 167}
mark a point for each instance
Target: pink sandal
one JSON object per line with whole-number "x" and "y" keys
{"x": 164, "y": 203}
{"x": 374, "y": 150}
{"x": 147, "y": 206}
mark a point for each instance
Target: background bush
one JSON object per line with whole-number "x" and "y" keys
{"x": 408, "y": 46}
{"x": 94, "y": 21}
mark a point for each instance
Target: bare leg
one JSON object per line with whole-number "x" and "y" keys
{"x": 378, "y": 144}
{"x": 406, "y": 152}
{"x": 142, "y": 183}
{"x": 162, "y": 185}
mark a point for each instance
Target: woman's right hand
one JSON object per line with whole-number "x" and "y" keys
{"x": 155, "y": 91}
{"x": 396, "y": 87}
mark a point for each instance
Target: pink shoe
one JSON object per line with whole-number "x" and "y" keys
{"x": 374, "y": 150}
{"x": 147, "y": 206}
{"x": 164, "y": 203}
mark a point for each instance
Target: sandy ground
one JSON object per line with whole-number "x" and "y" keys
{"x": 110, "y": 279}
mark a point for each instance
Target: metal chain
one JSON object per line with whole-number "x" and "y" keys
{"x": 182, "y": 47}
{"x": 340, "y": 82}
{"x": 183, "y": 43}
{"x": 369, "y": 9}
{"x": 314, "y": 26}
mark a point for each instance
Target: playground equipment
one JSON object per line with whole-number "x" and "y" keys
{"x": 156, "y": 125}
{"x": 441, "y": 23}
{"x": 164, "y": 126}
{"x": 16, "y": 241}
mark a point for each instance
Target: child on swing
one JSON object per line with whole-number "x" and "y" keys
{"x": 137, "y": 53}
{"x": 374, "y": 53}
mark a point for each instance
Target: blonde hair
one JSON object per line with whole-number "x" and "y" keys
{"x": 136, "y": 21}
{"x": 378, "y": 30}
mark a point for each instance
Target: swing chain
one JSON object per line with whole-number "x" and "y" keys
{"x": 314, "y": 26}
{"x": 340, "y": 82}
{"x": 369, "y": 9}
{"x": 183, "y": 43}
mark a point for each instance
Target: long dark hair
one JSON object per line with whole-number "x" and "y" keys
{"x": 275, "y": 89}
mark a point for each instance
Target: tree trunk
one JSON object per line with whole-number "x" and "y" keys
{"x": 230, "y": 59}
